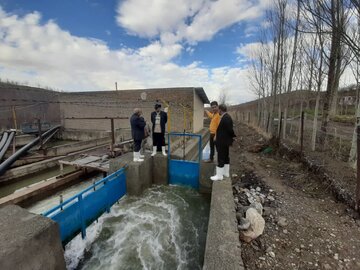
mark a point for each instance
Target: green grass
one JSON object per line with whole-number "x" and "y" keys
{"x": 349, "y": 119}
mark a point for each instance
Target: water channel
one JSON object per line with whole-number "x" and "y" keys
{"x": 165, "y": 228}
{"x": 32, "y": 179}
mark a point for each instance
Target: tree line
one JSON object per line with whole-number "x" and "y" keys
{"x": 306, "y": 45}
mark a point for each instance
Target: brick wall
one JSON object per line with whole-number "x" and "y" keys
{"x": 54, "y": 107}
{"x": 29, "y": 103}
{"x": 121, "y": 104}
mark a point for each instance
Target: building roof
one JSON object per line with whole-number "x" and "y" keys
{"x": 201, "y": 93}
{"x": 198, "y": 90}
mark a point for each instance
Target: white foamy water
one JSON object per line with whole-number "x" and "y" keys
{"x": 163, "y": 229}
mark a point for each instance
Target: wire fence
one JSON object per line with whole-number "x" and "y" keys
{"x": 337, "y": 147}
{"x": 338, "y": 137}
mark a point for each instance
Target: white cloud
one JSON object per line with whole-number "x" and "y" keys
{"x": 249, "y": 50}
{"x": 188, "y": 20}
{"x": 160, "y": 53}
{"x": 45, "y": 54}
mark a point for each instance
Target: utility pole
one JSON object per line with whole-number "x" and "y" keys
{"x": 14, "y": 116}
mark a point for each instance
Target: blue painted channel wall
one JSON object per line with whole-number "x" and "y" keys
{"x": 185, "y": 172}
{"x": 79, "y": 211}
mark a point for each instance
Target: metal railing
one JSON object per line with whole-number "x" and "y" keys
{"x": 76, "y": 213}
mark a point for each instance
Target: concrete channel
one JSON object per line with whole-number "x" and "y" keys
{"x": 222, "y": 249}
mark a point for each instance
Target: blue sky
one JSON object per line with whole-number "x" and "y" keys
{"x": 82, "y": 45}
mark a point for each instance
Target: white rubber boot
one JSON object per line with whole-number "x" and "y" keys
{"x": 163, "y": 151}
{"x": 137, "y": 157}
{"x": 140, "y": 155}
{"x": 227, "y": 170}
{"x": 154, "y": 151}
{"x": 219, "y": 174}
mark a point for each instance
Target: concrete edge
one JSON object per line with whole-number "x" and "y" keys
{"x": 223, "y": 248}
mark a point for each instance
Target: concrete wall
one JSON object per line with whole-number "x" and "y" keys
{"x": 198, "y": 113}
{"x": 29, "y": 241}
{"x": 76, "y": 146}
{"x": 85, "y": 135}
{"x": 222, "y": 243}
{"x": 30, "y": 103}
{"x": 54, "y": 106}
{"x": 121, "y": 103}
{"x": 138, "y": 174}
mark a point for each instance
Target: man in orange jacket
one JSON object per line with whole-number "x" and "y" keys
{"x": 215, "y": 120}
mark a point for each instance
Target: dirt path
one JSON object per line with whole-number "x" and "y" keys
{"x": 305, "y": 227}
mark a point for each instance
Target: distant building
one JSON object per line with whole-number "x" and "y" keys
{"x": 186, "y": 107}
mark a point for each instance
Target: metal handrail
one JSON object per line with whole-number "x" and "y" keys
{"x": 183, "y": 134}
{"x": 80, "y": 194}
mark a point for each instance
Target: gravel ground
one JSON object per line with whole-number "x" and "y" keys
{"x": 305, "y": 228}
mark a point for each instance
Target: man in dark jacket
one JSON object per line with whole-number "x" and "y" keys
{"x": 223, "y": 139}
{"x": 158, "y": 119}
{"x": 137, "y": 123}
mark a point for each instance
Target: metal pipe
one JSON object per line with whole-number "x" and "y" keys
{"x": 3, "y": 139}
{"x": 8, "y": 162}
{"x": 7, "y": 144}
{"x": 47, "y": 139}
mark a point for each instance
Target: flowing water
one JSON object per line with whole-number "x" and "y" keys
{"x": 165, "y": 228}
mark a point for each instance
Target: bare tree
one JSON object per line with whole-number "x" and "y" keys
{"x": 332, "y": 14}
{"x": 292, "y": 66}
{"x": 222, "y": 97}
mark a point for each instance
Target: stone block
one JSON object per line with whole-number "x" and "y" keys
{"x": 29, "y": 241}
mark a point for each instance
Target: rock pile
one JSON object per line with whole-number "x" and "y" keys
{"x": 252, "y": 200}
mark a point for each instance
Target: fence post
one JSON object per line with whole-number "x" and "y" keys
{"x": 39, "y": 130}
{"x": 259, "y": 119}
{"x": 82, "y": 217}
{"x": 357, "y": 203}
{"x": 112, "y": 136}
{"x": 280, "y": 126}
{"x": 302, "y": 133}
{"x": 61, "y": 200}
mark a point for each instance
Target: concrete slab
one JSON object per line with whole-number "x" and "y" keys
{"x": 160, "y": 169}
{"x": 206, "y": 171}
{"x": 40, "y": 190}
{"x": 29, "y": 241}
{"x": 138, "y": 174}
{"x": 29, "y": 169}
{"x": 222, "y": 243}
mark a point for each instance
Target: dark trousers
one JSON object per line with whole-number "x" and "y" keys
{"x": 137, "y": 145}
{"x": 212, "y": 146}
{"x": 158, "y": 140}
{"x": 223, "y": 155}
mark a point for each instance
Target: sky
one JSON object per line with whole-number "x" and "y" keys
{"x": 88, "y": 45}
